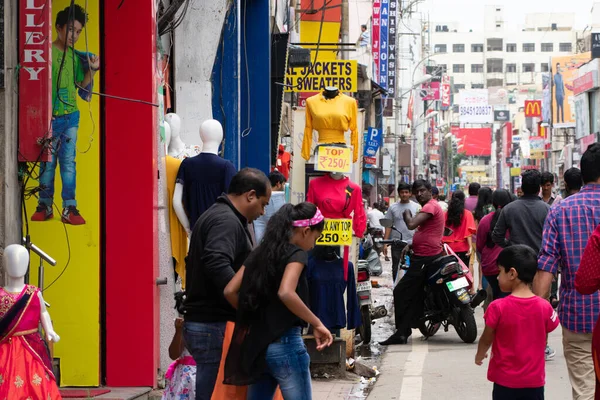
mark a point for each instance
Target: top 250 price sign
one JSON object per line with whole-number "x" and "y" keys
{"x": 334, "y": 159}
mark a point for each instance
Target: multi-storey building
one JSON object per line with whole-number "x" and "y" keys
{"x": 502, "y": 57}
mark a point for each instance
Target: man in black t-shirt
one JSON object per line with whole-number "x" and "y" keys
{"x": 219, "y": 245}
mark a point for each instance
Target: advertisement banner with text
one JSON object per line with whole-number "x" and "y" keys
{"x": 392, "y": 33}
{"x": 64, "y": 212}
{"x": 342, "y": 74}
{"x": 375, "y": 38}
{"x": 564, "y": 72}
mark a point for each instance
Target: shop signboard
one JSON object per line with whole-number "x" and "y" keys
{"x": 587, "y": 141}
{"x": 533, "y": 108}
{"x": 391, "y": 55}
{"x": 369, "y": 161}
{"x": 564, "y": 72}
{"x": 35, "y": 79}
{"x": 474, "y": 108}
{"x": 501, "y": 115}
{"x": 515, "y": 171}
{"x": 73, "y": 286}
{"x": 384, "y": 44}
{"x": 586, "y": 82}
{"x": 334, "y": 159}
{"x": 337, "y": 232}
{"x": 536, "y": 146}
{"x": 445, "y": 92}
{"x": 596, "y": 45}
{"x": 430, "y": 91}
{"x": 582, "y": 115}
{"x": 375, "y": 38}
{"x": 342, "y": 74}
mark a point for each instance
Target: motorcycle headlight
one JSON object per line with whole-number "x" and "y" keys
{"x": 451, "y": 268}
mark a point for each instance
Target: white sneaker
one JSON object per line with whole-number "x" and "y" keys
{"x": 549, "y": 353}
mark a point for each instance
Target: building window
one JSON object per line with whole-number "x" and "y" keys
{"x": 528, "y": 67}
{"x": 477, "y": 48}
{"x": 495, "y": 82}
{"x": 494, "y": 44}
{"x": 458, "y": 68}
{"x": 528, "y": 47}
{"x": 544, "y": 67}
{"x": 477, "y": 86}
{"x": 494, "y": 65}
{"x": 566, "y": 47}
{"x": 459, "y": 86}
{"x": 511, "y": 67}
{"x": 547, "y": 47}
{"x": 511, "y": 47}
{"x": 458, "y": 48}
{"x": 440, "y": 48}
{"x": 475, "y": 68}
{"x": 498, "y": 26}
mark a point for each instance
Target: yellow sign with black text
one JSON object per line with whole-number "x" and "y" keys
{"x": 334, "y": 159}
{"x": 342, "y": 74}
{"x": 337, "y": 232}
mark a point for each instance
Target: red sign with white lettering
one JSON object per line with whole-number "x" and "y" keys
{"x": 35, "y": 78}
{"x": 585, "y": 82}
{"x": 370, "y": 160}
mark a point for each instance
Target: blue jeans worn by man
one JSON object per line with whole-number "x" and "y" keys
{"x": 204, "y": 341}
{"x": 64, "y": 150}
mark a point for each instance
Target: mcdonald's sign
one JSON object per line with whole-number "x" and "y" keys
{"x": 533, "y": 108}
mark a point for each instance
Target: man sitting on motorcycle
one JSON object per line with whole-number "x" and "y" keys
{"x": 409, "y": 295}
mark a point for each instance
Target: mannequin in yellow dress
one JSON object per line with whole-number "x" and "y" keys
{"x": 331, "y": 114}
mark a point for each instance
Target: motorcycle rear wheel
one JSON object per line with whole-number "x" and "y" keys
{"x": 428, "y": 329}
{"x": 365, "y": 328}
{"x": 465, "y": 326}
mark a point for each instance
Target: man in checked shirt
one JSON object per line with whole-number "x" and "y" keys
{"x": 566, "y": 232}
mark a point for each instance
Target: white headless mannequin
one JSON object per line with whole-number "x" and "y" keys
{"x": 167, "y": 136}
{"x": 211, "y": 134}
{"x": 176, "y": 145}
{"x": 16, "y": 260}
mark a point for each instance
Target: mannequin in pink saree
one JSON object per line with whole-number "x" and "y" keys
{"x": 25, "y": 365}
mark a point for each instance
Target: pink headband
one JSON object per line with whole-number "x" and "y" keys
{"x": 302, "y": 223}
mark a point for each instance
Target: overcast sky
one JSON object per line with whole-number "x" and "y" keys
{"x": 469, "y": 13}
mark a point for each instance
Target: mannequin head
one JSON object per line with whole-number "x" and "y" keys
{"x": 174, "y": 123}
{"x": 330, "y": 92}
{"x": 167, "y": 136}
{"x": 16, "y": 260}
{"x": 211, "y": 134}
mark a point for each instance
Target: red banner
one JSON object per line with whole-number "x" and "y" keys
{"x": 375, "y": 37}
{"x": 445, "y": 89}
{"x": 475, "y": 141}
{"x": 35, "y": 78}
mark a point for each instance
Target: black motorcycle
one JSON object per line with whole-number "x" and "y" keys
{"x": 447, "y": 298}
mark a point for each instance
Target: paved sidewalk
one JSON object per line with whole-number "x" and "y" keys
{"x": 338, "y": 390}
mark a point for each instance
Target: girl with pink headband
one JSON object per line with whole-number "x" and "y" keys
{"x": 270, "y": 293}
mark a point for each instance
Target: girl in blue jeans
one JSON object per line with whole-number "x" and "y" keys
{"x": 270, "y": 293}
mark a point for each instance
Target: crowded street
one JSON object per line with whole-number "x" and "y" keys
{"x": 300, "y": 199}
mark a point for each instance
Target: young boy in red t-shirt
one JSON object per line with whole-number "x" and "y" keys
{"x": 516, "y": 328}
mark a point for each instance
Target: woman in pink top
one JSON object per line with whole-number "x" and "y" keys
{"x": 486, "y": 247}
{"x": 462, "y": 225}
{"x": 516, "y": 328}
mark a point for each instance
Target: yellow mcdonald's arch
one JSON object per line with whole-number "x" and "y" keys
{"x": 533, "y": 109}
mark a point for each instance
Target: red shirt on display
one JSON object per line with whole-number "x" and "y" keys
{"x": 521, "y": 326}
{"x": 283, "y": 162}
{"x": 458, "y": 240}
{"x": 428, "y": 237}
{"x": 339, "y": 198}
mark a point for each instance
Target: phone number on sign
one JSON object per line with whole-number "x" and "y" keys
{"x": 475, "y": 110}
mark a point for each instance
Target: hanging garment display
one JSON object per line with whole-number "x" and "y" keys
{"x": 327, "y": 286}
{"x": 177, "y": 231}
{"x": 339, "y": 198}
{"x": 331, "y": 118}
{"x": 283, "y": 162}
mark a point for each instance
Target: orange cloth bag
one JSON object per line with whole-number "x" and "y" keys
{"x": 230, "y": 392}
